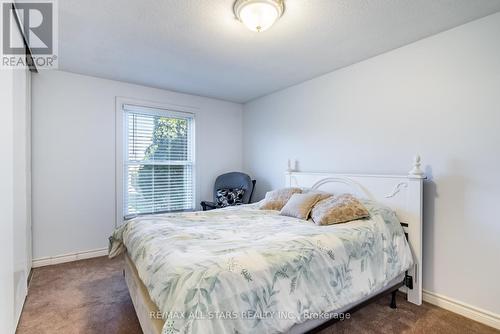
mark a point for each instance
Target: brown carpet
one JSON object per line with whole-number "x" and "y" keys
{"x": 90, "y": 296}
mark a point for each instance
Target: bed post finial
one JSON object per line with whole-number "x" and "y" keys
{"x": 292, "y": 166}
{"x": 416, "y": 171}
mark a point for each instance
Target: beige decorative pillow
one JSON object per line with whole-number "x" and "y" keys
{"x": 322, "y": 195}
{"x": 276, "y": 199}
{"x": 300, "y": 205}
{"x": 338, "y": 209}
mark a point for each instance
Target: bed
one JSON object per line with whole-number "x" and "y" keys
{"x": 241, "y": 269}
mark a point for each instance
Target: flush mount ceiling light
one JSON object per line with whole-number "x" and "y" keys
{"x": 258, "y": 15}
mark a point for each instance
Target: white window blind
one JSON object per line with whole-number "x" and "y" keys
{"x": 158, "y": 161}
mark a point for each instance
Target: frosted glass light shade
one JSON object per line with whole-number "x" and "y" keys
{"x": 258, "y": 15}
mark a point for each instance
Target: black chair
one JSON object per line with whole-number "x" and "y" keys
{"x": 231, "y": 180}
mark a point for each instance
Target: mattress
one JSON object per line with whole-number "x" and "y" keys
{"x": 248, "y": 270}
{"x": 147, "y": 310}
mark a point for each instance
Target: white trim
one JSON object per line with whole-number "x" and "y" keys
{"x": 121, "y": 100}
{"x": 159, "y": 111}
{"x": 468, "y": 311}
{"x": 119, "y": 149}
{"x": 50, "y": 260}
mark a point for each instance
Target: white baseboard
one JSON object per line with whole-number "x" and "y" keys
{"x": 468, "y": 311}
{"x": 47, "y": 261}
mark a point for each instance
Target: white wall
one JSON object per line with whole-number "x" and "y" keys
{"x": 74, "y": 155}
{"x": 439, "y": 97}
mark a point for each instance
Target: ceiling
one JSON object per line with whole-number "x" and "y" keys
{"x": 198, "y": 47}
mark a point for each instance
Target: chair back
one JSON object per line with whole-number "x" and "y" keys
{"x": 235, "y": 180}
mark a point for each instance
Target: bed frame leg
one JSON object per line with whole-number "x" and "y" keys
{"x": 393, "y": 299}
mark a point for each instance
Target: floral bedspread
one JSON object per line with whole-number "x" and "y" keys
{"x": 244, "y": 270}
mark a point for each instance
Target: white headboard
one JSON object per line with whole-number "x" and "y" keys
{"x": 402, "y": 193}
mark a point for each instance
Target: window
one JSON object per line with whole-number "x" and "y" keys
{"x": 158, "y": 161}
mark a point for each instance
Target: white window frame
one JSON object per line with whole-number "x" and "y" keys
{"x": 162, "y": 109}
